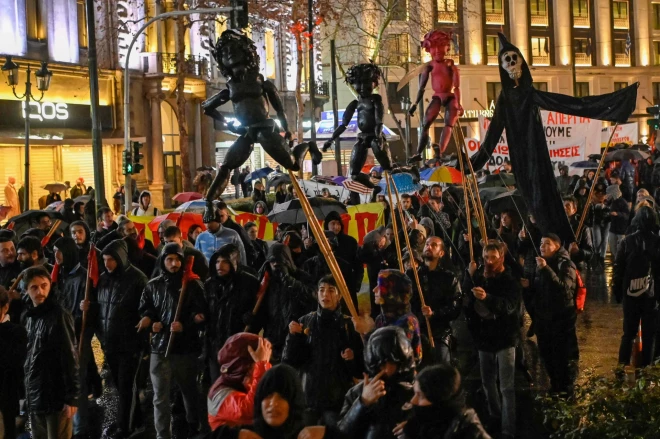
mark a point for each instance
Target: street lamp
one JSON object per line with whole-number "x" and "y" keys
{"x": 43, "y": 77}
{"x": 405, "y": 106}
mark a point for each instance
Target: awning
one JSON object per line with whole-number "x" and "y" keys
{"x": 64, "y": 136}
{"x": 326, "y": 127}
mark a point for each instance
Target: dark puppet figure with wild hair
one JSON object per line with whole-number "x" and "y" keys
{"x": 251, "y": 96}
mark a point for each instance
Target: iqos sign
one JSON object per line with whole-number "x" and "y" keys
{"x": 47, "y": 111}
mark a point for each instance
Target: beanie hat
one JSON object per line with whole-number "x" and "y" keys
{"x": 395, "y": 288}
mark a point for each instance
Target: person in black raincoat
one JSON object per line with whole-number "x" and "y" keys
{"x": 279, "y": 406}
{"x": 10, "y": 268}
{"x": 116, "y": 306}
{"x": 374, "y": 407}
{"x": 81, "y": 236}
{"x": 52, "y": 384}
{"x": 259, "y": 247}
{"x": 582, "y": 252}
{"x": 439, "y": 410}
{"x": 289, "y": 296}
{"x": 347, "y": 245}
{"x": 378, "y": 254}
{"x": 158, "y": 306}
{"x": 327, "y": 351}
{"x": 635, "y": 276}
{"x": 554, "y": 305}
{"x": 230, "y": 294}
{"x": 200, "y": 267}
{"x": 142, "y": 260}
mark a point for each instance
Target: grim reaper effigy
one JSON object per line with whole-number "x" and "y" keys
{"x": 518, "y": 111}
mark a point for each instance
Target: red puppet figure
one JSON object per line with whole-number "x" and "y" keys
{"x": 445, "y": 80}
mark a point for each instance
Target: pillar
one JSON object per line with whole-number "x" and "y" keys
{"x": 603, "y": 43}
{"x": 562, "y": 32}
{"x": 160, "y": 190}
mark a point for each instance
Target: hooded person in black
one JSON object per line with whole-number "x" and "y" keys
{"x": 518, "y": 111}
{"x": 158, "y": 307}
{"x": 348, "y": 245}
{"x": 140, "y": 259}
{"x": 374, "y": 407}
{"x": 81, "y": 236}
{"x": 378, "y": 253}
{"x": 10, "y": 268}
{"x": 117, "y": 301}
{"x": 289, "y": 296}
{"x": 230, "y": 294}
{"x": 636, "y": 272}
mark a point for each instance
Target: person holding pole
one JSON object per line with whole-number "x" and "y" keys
{"x": 175, "y": 293}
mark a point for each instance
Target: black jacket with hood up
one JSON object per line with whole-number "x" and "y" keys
{"x": 71, "y": 281}
{"x": 554, "y": 292}
{"x": 348, "y": 245}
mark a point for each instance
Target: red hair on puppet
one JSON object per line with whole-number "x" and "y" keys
{"x": 437, "y": 38}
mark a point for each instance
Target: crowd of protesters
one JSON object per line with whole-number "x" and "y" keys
{"x": 252, "y": 339}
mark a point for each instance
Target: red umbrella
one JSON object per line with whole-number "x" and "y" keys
{"x": 183, "y": 222}
{"x": 183, "y": 197}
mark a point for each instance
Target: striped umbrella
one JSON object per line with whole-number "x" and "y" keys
{"x": 354, "y": 186}
{"x": 441, "y": 174}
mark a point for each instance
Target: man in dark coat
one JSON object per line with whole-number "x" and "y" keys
{"x": 10, "y": 268}
{"x": 173, "y": 235}
{"x": 116, "y": 315}
{"x": 348, "y": 245}
{"x": 582, "y": 252}
{"x": 230, "y": 294}
{"x": 228, "y": 222}
{"x": 378, "y": 254}
{"x": 81, "y": 236}
{"x": 442, "y": 294}
{"x": 324, "y": 346}
{"x": 105, "y": 222}
{"x": 52, "y": 385}
{"x": 158, "y": 307}
{"x": 554, "y": 305}
{"x": 564, "y": 180}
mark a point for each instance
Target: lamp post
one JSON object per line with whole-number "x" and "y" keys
{"x": 405, "y": 106}
{"x": 43, "y": 77}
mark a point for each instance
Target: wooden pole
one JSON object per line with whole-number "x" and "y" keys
{"x": 84, "y": 316}
{"x": 467, "y": 200}
{"x": 413, "y": 263}
{"x": 179, "y": 306}
{"x": 395, "y": 228}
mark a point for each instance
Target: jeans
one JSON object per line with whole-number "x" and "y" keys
{"x": 600, "y": 234}
{"x": 642, "y": 308}
{"x": 51, "y": 426}
{"x": 500, "y": 364}
{"x": 80, "y": 419}
{"x": 183, "y": 370}
{"x": 123, "y": 367}
{"x": 614, "y": 241}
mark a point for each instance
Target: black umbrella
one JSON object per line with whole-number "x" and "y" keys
{"x": 275, "y": 179}
{"x": 292, "y": 212}
{"x": 641, "y": 147}
{"x": 511, "y": 200}
{"x": 488, "y": 193}
{"x": 27, "y": 220}
{"x": 82, "y": 199}
{"x": 495, "y": 180}
{"x": 585, "y": 164}
{"x": 627, "y": 154}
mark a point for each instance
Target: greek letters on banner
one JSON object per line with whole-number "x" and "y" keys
{"x": 627, "y": 133}
{"x": 570, "y": 139}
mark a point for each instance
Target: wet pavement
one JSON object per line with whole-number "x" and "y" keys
{"x": 599, "y": 332}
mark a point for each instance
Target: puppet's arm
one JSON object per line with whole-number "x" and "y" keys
{"x": 456, "y": 75}
{"x": 492, "y": 137}
{"x": 345, "y": 121}
{"x": 276, "y": 102}
{"x": 379, "y": 111}
{"x": 210, "y": 106}
{"x": 422, "y": 85}
{"x": 612, "y": 107}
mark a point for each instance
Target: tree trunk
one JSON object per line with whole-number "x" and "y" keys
{"x": 300, "y": 105}
{"x": 181, "y": 99}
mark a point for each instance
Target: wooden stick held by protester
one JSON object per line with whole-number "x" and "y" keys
{"x": 179, "y": 306}
{"x": 92, "y": 279}
{"x": 52, "y": 230}
{"x": 465, "y": 198}
{"x": 260, "y": 296}
{"x": 395, "y": 228}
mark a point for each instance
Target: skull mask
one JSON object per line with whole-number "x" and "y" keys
{"x": 512, "y": 63}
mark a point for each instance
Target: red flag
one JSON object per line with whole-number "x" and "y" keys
{"x": 93, "y": 265}
{"x": 44, "y": 241}
{"x": 54, "y": 275}
{"x": 188, "y": 273}
{"x": 264, "y": 285}
{"x": 140, "y": 238}
{"x": 10, "y": 226}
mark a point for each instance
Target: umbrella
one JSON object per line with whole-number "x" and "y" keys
{"x": 585, "y": 164}
{"x": 259, "y": 173}
{"x": 488, "y": 193}
{"x": 627, "y": 154}
{"x": 339, "y": 179}
{"x": 184, "y": 223}
{"x": 275, "y": 180}
{"x": 441, "y": 174}
{"x": 499, "y": 179}
{"x": 595, "y": 157}
{"x": 510, "y": 200}
{"x": 323, "y": 179}
{"x": 641, "y": 147}
{"x": 182, "y": 197}
{"x": 198, "y": 206}
{"x": 403, "y": 182}
{"x": 55, "y": 186}
{"x": 291, "y": 212}
{"x": 82, "y": 199}
{"x": 27, "y": 220}
{"x": 58, "y": 205}
{"x": 354, "y": 186}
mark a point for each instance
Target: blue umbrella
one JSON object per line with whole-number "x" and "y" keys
{"x": 585, "y": 164}
{"x": 259, "y": 173}
{"x": 403, "y": 182}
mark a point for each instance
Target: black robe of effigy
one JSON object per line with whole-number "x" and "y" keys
{"x": 518, "y": 111}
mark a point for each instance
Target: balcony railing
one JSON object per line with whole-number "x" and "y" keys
{"x": 540, "y": 60}
{"x": 621, "y": 60}
{"x": 493, "y": 60}
{"x": 621, "y": 23}
{"x": 193, "y": 64}
{"x": 581, "y": 22}
{"x": 322, "y": 88}
{"x": 495, "y": 17}
{"x": 582, "y": 59}
{"x": 540, "y": 20}
{"x": 447, "y": 17}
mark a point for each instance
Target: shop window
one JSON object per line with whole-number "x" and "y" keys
{"x": 540, "y": 86}
{"x": 620, "y": 14}
{"x": 447, "y": 12}
{"x": 396, "y": 49}
{"x": 538, "y": 10}
{"x": 494, "y": 11}
{"x": 82, "y": 24}
{"x": 493, "y": 90}
{"x": 620, "y": 85}
{"x": 540, "y": 51}
{"x": 36, "y": 29}
{"x": 581, "y": 89}
{"x": 269, "y": 43}
{"x": 492, "y": 49}
{"x": 656, "y": 16}
{"x": 400, "y": 10}
{"x": 581, "y": 13}
{"x": 656, "y": 93}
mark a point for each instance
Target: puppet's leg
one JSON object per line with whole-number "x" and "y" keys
{"x": 238, "y": 153}
{"x": 278, "y": 148}
{"x": 451, "y": 117}
{"x": 431, "y": 114}
{"x": 358, "y": 158}
{"x": 382, "y": 153}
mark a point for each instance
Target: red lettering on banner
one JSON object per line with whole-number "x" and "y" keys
{"x": 245, "y": 218}
{"x": 360, "y": 218}
{"x": 345, "y": 219}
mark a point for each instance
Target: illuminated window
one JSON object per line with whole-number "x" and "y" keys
{"x": 269, "y": 43}
{"x": 583, "y": 51}
{"x": 492, "y": 50}
{"x": 493, "y": 90}
{"x": 621, "y": 58}
{"x": 581, "y": 89}
{"x": 581, "y": 13}
{"x": 656, "y": 53}
{"x": 82, "y": 24}
{"x": 35, "y": 25}
{"x": 541, "y": 51}
{"x": 494, "y": 11}
{"x": 656, "y": 93}
{"x": 538, "y": 10}
{"x": 540, "y": 86}
{"x": 396, "y": 49}
{"x": 656, "y": 16}
{"x": 447, "y": 12}
{"x": 620, "y": 14}
{"x": 620, "y": 85}
{"x": 400, "y": 10}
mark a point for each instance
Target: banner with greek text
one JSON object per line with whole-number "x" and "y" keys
{"x": 627, "y": 133}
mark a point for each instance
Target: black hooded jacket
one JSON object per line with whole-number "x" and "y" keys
{"x": 348, "y": 245}
{"x": 159, "y": 302}
{"x": 71, "y": 281}
{"x": 518, "y": 110}
{"x": 228, "y": 299}
{"x": 554, "y": 291}
{"x": 13, "y": 345}
{"x": 117, "y": 300}
{"x": 51, "y": 365}
{"x": 83, "y": 250}
{"x": 139, "y": 258}
{"x": 326, "y": 376}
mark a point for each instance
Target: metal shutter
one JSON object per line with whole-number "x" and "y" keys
{"x": 43, "y": 164}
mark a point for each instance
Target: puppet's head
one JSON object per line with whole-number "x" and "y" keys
{"x": 437, "y": 43}
{"x": 235, "y": 54}
{"x": 393, "y": 292}
{"x": 363, "y": 78}
{"x": 513, "y": 67}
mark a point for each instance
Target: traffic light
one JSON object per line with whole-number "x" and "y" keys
{"x": 127, "y": 162}
{"x": 654, "y": 124}
{"x": 239, "y": 16}
{"x": 137, "y": 156}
